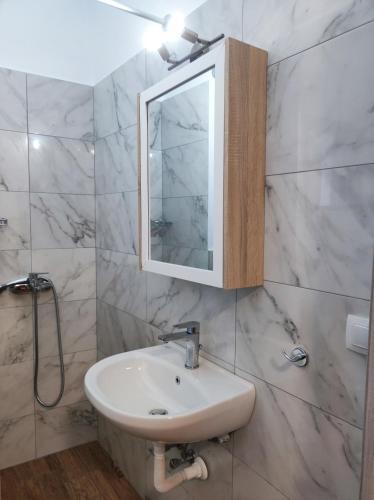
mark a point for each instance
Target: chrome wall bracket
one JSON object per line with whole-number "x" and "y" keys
{"x": 298, "y": 356}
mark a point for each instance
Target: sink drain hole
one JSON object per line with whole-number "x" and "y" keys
{"x": 158, "y": 411}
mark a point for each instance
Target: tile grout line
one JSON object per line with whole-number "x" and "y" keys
{"x": 308, "y": 403}
{"x": 320, "y": 43}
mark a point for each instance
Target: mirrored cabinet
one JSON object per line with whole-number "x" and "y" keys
{"x": 201, "y": 169}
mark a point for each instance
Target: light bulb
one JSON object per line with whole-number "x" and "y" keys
{"x": 154, "y": 38}
{"x": 174, "y": 26}
{"x": 36, "y": 144}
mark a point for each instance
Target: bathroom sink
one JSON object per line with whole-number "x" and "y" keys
{"x": 150, "y": 394}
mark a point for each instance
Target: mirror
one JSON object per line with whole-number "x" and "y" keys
{"x": 181, "y": 173}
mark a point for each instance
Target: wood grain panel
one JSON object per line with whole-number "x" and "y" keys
{"x": 244, "y": 169}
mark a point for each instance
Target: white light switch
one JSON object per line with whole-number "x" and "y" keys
{"x": 357, "y": 334}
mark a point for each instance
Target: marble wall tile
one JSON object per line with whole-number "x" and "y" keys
{"x": 185, "y": 117}
{"x": 14, "y": 263}
{"x": 191, "y": 257}
{"x": 14, "y": 172}
{"x": 15, "y": 207}
{"x": 320, "y": 106}
{"x": 16, "y": 341}
{"x": 118, "y": 331}
{"x": 189, "y": 218}
{"x": 61, "y": 165}
{"x": 76, "y": 366}
{"x": 277, "y": 317}
{"x": 115, "y": 97}
{"x": 78, "y": 327}
{"x": 59, "y": 108}
{"x": 294, "y": 25}
{"x": 155, "y": 173}
{"x": 319, "y": 230}
{"x": 127, "y": 452}
{"x": 72, "y": 271}
{"x": 65, "y": 427}
{"x": 16, "y": 390}
{"x": 116, "y": 162}
{"x": 62, "y": 220}
{"x": 185, "y": 170}
{"x": 218, "y": 486}
{"x": 247, "y": 485}
{"x": 172, "y": 301}
{"x": 17, "y": 441}
{"x": 117, "y": 222}
{"x": 13, "y": 100}
{"x": 120, "y": 283}
{"x": 302, "y": 451}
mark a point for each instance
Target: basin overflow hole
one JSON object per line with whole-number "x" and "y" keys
{"x": 177, "y": 380}
{"x": 158, "y": 411}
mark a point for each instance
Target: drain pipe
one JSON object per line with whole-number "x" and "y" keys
{"x": 163, "y": 484}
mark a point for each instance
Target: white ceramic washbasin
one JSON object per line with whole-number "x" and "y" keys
{"x": 201, "y": 404}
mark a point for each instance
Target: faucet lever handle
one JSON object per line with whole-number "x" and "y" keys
{"x": 191, "y": 326}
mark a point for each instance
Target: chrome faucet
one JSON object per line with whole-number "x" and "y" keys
{"x": 192, "y": 337}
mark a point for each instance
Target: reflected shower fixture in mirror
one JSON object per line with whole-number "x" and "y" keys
{"x": 168, "y": 28}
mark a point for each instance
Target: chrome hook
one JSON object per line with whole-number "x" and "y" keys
{"x": 298, "y": 356}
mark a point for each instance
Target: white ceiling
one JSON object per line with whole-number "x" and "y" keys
{"x": 76, "y": 40}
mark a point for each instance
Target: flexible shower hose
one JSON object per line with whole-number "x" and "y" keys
{"x": 36, "y": 344}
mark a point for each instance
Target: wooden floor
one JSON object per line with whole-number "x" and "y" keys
{"x": 84, "y": 472}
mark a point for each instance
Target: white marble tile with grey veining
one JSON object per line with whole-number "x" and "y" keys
{"x": 116, "y": 162}
{"x": 191, "y": 257}
{"x": 62, "y": 220}
{"x": 15, "y": 208}
{"x": 14, "y": 172}
{"x": 127, "y": 452}
{"x": 115, "y": 97}
{"x": 185, "y": 170}
{"x": 172, "y": 301}
{"x": 16, "y": 390}
{"x": 106, "y": 121}
{"x": 65, "y": 427}
{"x": 291, "y": 26}
{"x": 61, "y": 165}
{"x": 72, "y": 271}
{"x": 17, "y": 440}
{"x": 120, "y": 283}
{"x": 154, "y": 111}
{"x": 78, "y": 327}
{"x": 13, "y": 264}
{"x": 247, "y": 485}
{"x": 13, "y": 100}
{"x": 278, "y": 317}
{"x": 59, "y": 108}
{"x": 320, "y": 230}
{"x": 321, "y": 106}
{"x": 16, "y": 340}
{"x": 189, "y": 221}
{"x": 218, "y": 486}
{"x": 117, "y": 222}
{"x": 155, "y": 173}
{"x": 76, "y": 366}
{"x": 302, "y": 451}
{"x": 118, "y": 331}
{"x": 185, "y": 117}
